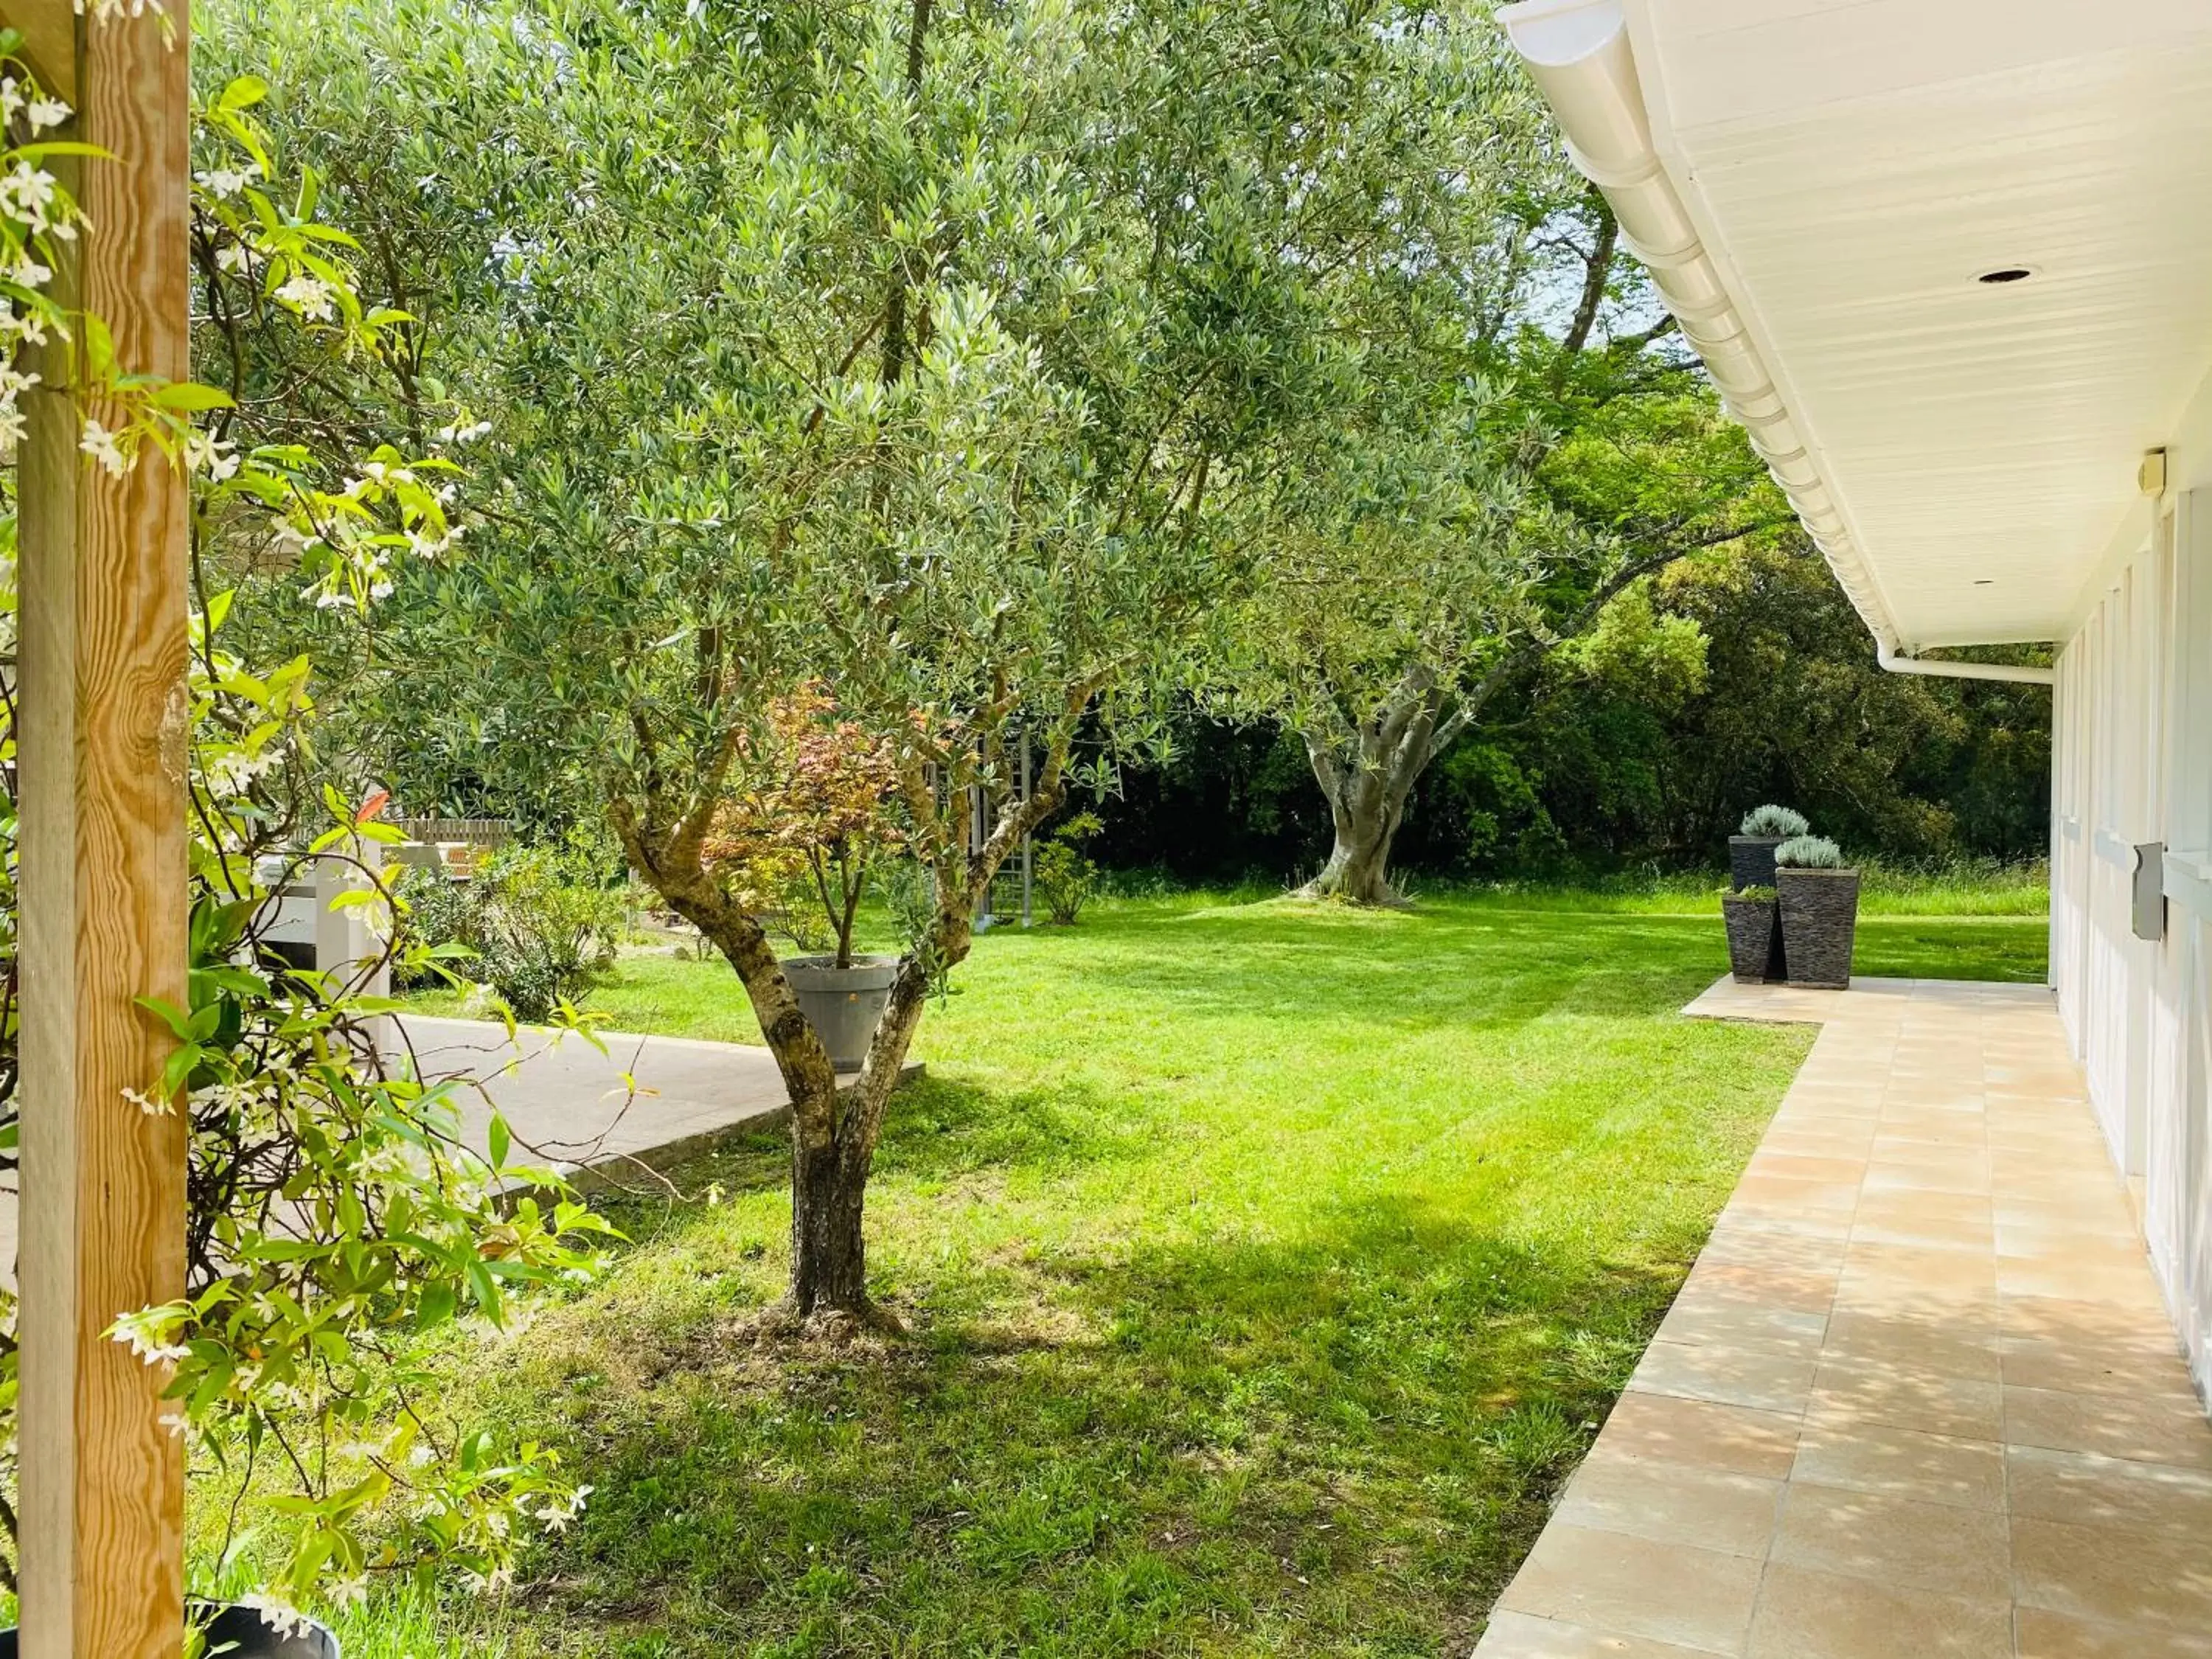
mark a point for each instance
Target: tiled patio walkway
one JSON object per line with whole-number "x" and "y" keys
{"x": 1919, "y": 1396}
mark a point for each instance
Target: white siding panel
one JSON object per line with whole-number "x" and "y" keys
{"x": 2131, "y": 762}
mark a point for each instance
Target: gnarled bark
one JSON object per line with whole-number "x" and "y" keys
{"x": 1368, "y": 771}
{"x": 833, "y": 1130}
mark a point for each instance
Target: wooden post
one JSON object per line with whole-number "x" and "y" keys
{"x": 103, "y": 879}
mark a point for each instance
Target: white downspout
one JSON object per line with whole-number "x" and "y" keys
{"x": 1897, "y": 664}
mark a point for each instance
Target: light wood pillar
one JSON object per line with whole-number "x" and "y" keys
{"x": 102, "y": 746}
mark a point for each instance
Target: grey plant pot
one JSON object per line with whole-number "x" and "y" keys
{"x": 842, "y": 1004}
{"x": 1819, "y": 920}
{"x": 1751, "y": 860}
{"x": 242, "y": 1633}
{"x": 1754, "y": 937}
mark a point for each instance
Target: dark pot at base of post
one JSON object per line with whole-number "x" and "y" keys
{"x": 236, "y": 1632}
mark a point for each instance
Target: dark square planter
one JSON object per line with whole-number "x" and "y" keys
{"x": 235, "y": 1632}
{"x": 1751, "y": 860}
{"x": 1754, "y": 937}
{"x": 1820, "y": 920}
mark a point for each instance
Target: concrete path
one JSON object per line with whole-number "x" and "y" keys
{"x": 571, "y": 1106}
{"x": 1920, "y": 1395}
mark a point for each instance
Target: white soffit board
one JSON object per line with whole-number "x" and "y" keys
{"x": 1847, "y": 169}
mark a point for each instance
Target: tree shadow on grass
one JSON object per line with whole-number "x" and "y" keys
{"x": 937, "y": 1128}
{"x": 1336, "y": 1443}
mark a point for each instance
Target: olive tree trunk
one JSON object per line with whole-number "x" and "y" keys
{"x": 834, "y": 1129}
{"x": 1367, "y": 771}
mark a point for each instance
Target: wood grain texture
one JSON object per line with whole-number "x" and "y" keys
{"x": 49, "y": 31}
{"x": 104, "y": 900}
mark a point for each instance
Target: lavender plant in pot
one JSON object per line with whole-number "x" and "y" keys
{"x": 1819, "y": 898}
{"x": 1751, "y": 850}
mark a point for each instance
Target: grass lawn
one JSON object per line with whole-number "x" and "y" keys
{"x": 1268, "y": 1267}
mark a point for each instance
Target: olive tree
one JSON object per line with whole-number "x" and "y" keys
{"x": 1523, "y": 444}
{"x": 913, "y": 349}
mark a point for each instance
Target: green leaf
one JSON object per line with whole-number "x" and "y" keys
{"x": 243, "y": 92}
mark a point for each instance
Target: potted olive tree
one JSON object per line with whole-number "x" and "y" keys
{"x": 816, "y": 811}
{"x": 1819, "y": 900}
{"x": 1751, "y": 850}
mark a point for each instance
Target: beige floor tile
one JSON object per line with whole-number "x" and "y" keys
{"x": 2098, "y": 1207}
{"x": 1607, "y": 1580}
{"x": 2118, "y": 1285}
{"x": 1801, "y": 1290}
{"x": 1672, "y": 1503}
{"x": 1702, "y": 1433}
{"x": 2163, "y": 1429}
{"x": 2087, "y": 1244}
{"x": 1799, "y": 1166}
{"x": 2102, "y": 1572}
{"x": 1790, "y": 1195}
{"x": 1904, "y": 1281}
{"x": 2087, "y": 1490}
{"x": 1754, "y": 1327}
{"x": 1734, "y": 1243}
{"x": 1898, "y": 1225}
{"x": 2042, "y": 1635}
{"x": 2089, "y": 1359}
{"x": 1912, "y": 1206}
{"x": 1807, "y": 1614}
{"x": 1905, "y": 1397}
{"x": 1518, "y": 1636}
{"x": 1908, "y": 1132}
{"x": 1957, "y": 1171}
{"x": 1895, "y": 1540}
{"x": 1964, "y": 1345}
{"x": 1857, "y": 1455}
{"x": 2087, "y": 1326}
{"x": 1762, "y": 1382}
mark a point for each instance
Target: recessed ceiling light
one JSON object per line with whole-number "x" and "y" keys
{"x": 2005, "y": 274}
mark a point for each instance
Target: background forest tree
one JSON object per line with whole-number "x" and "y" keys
{"x": 1590, "y": 764}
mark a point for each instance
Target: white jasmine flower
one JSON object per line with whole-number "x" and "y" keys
{"x": 100, "y": 444}
{"x": 212, "y": 456}
{"x": 309, "y": 295}
{"x": 234, "y": 257}
{"x": 226, "y": 182}
{"x": 31, "y": 190}
{"x": 152, "y": 1105}
{"x": 46, "y": 112}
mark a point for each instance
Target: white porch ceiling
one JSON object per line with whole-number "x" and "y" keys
{"x": 1853, "y": 166}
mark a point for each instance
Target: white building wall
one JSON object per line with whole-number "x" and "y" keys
{"x": 2131, "y": 765}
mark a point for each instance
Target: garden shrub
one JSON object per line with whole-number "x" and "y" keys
{"x": 541, "y": 921}
{"x": 1065, "y": 878}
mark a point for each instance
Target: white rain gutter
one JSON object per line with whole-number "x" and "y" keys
{"x": 1962, "y": 670}
{"x": 1577, "y": 52}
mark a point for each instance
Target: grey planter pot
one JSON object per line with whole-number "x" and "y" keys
{"x": 1751, "y": 860}
{"x": 242, "y": 1633}
{"x": 842, "y": 1004}
{"x": 1820, "y": 920}
{"x": 1754, "y": 937}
